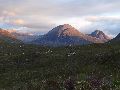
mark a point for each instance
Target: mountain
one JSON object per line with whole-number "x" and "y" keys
{"x": 66, "y": 35}
{"x": 116, "y": 39}
{"x": 100, "y": 35}
{"x": 18, "y": 32}
{"x": 25, "y": 37}
{"x": 6, "y": 36}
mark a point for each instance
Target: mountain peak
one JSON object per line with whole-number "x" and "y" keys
{"x": 100, "y": 35}
{"x": 97, "y": 32}
{"x": 64, "y": 30}
{"x": 66, "y": 25}
{"x": 66, "y": 35}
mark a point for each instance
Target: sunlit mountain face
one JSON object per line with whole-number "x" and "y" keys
{"x": 41, "y": 16}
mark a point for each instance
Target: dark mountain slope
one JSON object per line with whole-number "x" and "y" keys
{"x": 116, "y": 39}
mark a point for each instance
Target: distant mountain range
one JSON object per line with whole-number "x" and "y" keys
{"x": 62, "y": 35}
{"x": 25, "y": 37}
{"x": 68, "y": 35}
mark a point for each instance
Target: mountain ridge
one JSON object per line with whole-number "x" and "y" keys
{"x": 61, "y": 35}
{"x": 66, "y": 35}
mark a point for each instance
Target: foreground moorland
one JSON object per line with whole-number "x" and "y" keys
{"x": 30, "y": 67}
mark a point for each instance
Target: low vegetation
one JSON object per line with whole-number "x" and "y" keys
{"x": 30, "y": 67}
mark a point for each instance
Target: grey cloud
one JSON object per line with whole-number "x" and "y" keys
{"x": 40, "y": 27}
{"x": 110, "y": 25}
{"x": 111, "y": 19}
{"x": 54, "y": 9}
{"x": 62, "y": 8}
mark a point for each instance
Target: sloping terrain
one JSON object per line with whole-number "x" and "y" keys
{"x": 6, "y": 36}
{"x": 116, "y": 39}
{"x": 13, "y": 35}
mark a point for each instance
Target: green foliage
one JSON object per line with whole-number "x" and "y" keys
{"x": 31, "y": 67}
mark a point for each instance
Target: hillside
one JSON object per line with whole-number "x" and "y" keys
{"x": 6, "y": 36}
{"x": 116, "y": 39}
{"x": 30, "y": 67}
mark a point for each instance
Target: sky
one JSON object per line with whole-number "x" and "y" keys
{"x": 40, "y": 16}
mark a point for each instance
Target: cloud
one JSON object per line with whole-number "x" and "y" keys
{"x": 43, "y": 15}
{"x": 108, "y": 24}
{"x": 18, "y": 21}
{"x": 8, "y": 13}
{"x": 103, "y": 19}
{"x": 61, "y": 8}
